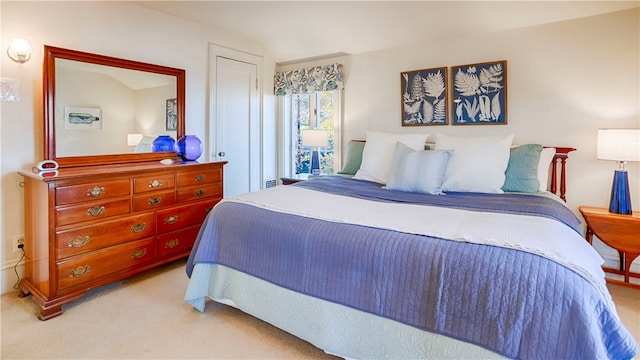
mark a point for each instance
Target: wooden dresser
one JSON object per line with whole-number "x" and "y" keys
{"x": 92, "y": 225}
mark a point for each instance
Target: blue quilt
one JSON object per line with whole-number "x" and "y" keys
{"x": 514, "y": 303}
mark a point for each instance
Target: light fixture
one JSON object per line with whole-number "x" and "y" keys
{"x": 19, "y": 50}
{"x": 621, "y": 145}
{"x": 315, "y": 139}
{"x": 133, "y": 139}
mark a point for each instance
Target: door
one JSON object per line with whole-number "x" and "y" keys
{"x": 237, "y": 131}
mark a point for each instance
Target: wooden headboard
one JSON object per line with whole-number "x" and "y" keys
{"x": 562, "y": 153}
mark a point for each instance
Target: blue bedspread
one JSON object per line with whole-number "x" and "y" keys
{"x": 512, "y": 302}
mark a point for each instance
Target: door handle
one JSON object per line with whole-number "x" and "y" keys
{"x": 221, "y": 153}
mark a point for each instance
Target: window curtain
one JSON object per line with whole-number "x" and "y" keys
{"x": 309, "y": 80}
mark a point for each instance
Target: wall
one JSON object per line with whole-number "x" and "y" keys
{"x": 119, "y": 29}
{"x": 565, "y": 81}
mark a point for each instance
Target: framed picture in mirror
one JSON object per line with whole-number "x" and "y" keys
{"x": 172, "y": 123}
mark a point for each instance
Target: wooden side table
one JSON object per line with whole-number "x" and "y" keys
{"x": 621, "y": 232}
{"x": 288, "y": 180}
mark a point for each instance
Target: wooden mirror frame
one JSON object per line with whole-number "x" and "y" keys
{"x": 49, "y": 90}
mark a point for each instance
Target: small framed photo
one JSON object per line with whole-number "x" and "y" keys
{"x": 77, "y": 118}
{"x": 172, "y": 119}
{"x": 424, "y": 97}
{"x": 480, "y": 93}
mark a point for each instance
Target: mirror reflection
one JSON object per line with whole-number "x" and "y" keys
{"x": 110, "y": 110}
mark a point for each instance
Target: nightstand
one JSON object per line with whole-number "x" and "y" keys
{"x": 621, "y": 232}
{"x": 288, "y": 180}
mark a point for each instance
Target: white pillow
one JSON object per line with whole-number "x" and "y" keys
{"x": 378, "y": 153}
{"x": 417, "y": 171}
{"x": 477, "y": 163}
{"x": 546, "y": 156}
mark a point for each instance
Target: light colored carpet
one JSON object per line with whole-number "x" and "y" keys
{"x": 145, "y": 317}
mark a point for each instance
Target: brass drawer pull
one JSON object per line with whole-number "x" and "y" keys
{"x": 200, "y": 192}
{"x": 155, "y": 183}
{"x": 139, "y": 253}
{"x": 171, "y": 219}
{"x": 155, "y": 201}
{"x": 138, "y": 228}
{"x": 95, "y": 192}
{"x": 79, "y": 241}
{"x": 80, "y": 271}
{"x": 171, "y": 243}
{"x": 96, "y": 211}
{"x": 200, "y": 177}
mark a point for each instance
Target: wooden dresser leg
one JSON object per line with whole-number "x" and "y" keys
{"x": 48, "y": 313}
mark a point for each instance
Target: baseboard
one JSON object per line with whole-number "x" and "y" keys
{"x": 8, "y": 278}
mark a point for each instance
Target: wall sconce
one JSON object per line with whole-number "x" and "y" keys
{"x": 621, "y": 145}
{"x": 19, "y": 50}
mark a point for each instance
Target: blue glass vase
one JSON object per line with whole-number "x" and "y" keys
{"x": 163, "y": 143}
{"x": 189, "y": 147}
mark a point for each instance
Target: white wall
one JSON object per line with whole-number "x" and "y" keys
{"x": 117, "y": 29}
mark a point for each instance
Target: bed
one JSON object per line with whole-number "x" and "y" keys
{"x": 381, "y": 265}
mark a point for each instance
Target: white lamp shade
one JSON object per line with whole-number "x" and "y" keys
{"x": 619, "y": 144}
{"x": 315, "y": 138}
{"x": 133, "y": 139}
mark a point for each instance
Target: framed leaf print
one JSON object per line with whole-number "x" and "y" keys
{"x": 480, "y": 93}
{"x": 424, "y": 97}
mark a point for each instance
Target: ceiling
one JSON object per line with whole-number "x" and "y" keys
{"x": 293, "y": 31}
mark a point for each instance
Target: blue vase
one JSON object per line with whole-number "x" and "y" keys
{"x": 189, "y": 147}
{"x": 163, "y": 143}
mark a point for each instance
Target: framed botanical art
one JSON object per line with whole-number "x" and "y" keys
{"x": 424, "y": 97}
{"x": 172, "y": 115}
{"x": 480, "y": 93}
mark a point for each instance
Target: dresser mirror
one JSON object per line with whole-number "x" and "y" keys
{"x": 103, "y": 110}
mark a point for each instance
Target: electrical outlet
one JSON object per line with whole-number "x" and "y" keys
{"x": 17, "y": 241}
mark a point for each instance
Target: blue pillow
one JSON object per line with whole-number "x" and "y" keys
{"x": 417, "y": 171}
{"x": 354, "y": 158}
{"x": 522, "y": 172}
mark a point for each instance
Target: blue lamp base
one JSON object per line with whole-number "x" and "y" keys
{"x": 315, "y": 163}
{"x": 620, "y": 196}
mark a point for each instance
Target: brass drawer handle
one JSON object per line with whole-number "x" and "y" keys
{"x": 171, "y": 243}
{"x": 200, "y": 177}
{"x": 80, "y": 271}
{"x": 200, "y": 192}
{"x": 139, "y": 253}
{"x": 155, "y": 183}
{"x": 79, "y": 241}
{"x": 155, "y": 201}
{"x": 95, "y": 192}
{"x": 171, "y": 219}
{"x": 138, "y": 228}
{"x": 96, "y": 211}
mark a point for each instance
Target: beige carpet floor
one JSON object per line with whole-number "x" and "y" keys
{"x": 145, "y": 317}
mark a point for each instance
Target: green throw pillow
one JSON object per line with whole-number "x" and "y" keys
{"x": 354, "y": 158}
{"x": 522, "y": 172}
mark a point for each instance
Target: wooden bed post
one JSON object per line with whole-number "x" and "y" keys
{"x": 562, "y": 153}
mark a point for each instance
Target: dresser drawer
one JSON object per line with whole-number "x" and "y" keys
{"x": 74, "y": 194}
{"x": 153, "y": 183}
{"x": 108, "y": 233}
{"x": 154, "y": 200}
{"x": 199, "y": 177}
{"x": 183, "y": 216}
{"x": 92, "y": 211}
{"x": 199, "y": 192}
{"x": 87, "y": 268}
{"x": 177, "y": 241}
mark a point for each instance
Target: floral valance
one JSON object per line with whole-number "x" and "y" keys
{"x": 309, "y": 80}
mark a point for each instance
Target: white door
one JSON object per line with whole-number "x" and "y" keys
{"x": 237, "y": 131}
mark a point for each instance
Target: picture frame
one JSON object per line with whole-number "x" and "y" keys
{"x": 172, "y": 115}
{"x": 479, "y": 93}
{"x": 79, "y": 118}
{"x": 423, "y": 96}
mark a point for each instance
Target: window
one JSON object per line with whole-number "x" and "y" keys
{"x": 319, "y": 110}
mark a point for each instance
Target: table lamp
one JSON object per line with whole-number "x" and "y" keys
{"x": 621, "y": 145}
{"x": 315, "y": 139}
